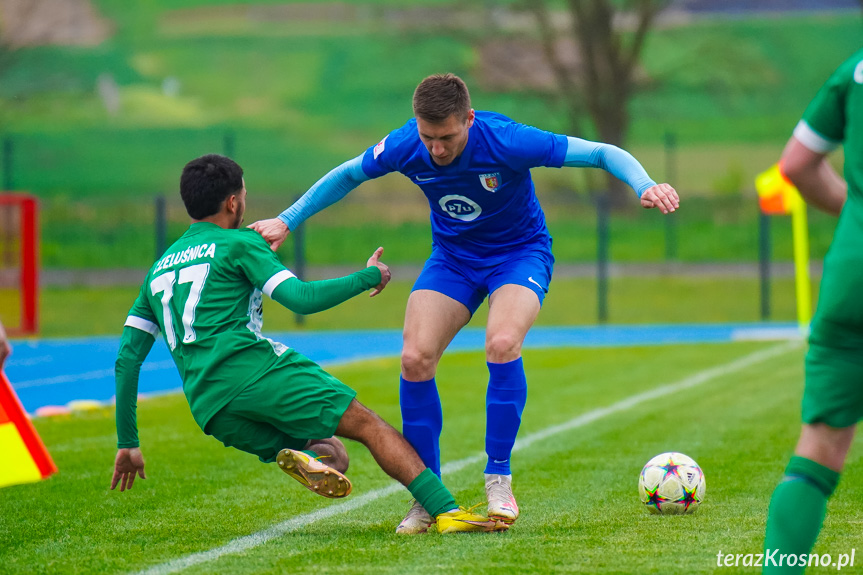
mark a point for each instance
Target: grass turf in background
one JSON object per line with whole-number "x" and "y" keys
{"x": 577, "y": 490}
{"x": 85, "y": 311}
{"x": 731, "y": 109}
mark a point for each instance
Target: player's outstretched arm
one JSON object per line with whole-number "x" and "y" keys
{"x": 274, "y": 230}
{"x": 661, "y": 196}
{"x": 135, "y": 344}
{"x": 622, "y": 165}
{"x": 326, "y": 191}
{"x": 128, "y": 464}
{"x": 312, "y": 297}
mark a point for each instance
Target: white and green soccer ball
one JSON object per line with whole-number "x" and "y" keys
{"x": 671, "y": 484}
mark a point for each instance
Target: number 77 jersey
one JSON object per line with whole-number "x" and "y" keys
{"x": 205, "y": 295}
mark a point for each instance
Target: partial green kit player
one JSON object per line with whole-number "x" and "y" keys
{"x": 833, "y": 396}
{"x": 205, "y": 294}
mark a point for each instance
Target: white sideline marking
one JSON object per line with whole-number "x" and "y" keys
{"x": 248, "y": 542}
{"x": 88, "y": 375}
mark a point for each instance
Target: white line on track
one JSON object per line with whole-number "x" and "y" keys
{"x": 248, "y": 542}
{"x": 90, "y": 375}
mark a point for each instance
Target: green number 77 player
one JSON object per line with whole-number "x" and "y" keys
{"x": 249, "y": 392}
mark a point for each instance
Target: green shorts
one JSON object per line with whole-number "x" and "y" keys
{"x": 285, "y": 408}
{"x": 834, "y": 384}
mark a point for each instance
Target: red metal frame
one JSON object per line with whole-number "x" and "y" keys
{"x": 29, "y": 260}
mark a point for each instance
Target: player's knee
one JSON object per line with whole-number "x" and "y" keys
{"x": 503, "y": 347}
{"x": 826, "y": 445}
{"x": 418, "y": 365}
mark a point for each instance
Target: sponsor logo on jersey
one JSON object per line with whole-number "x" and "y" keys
{"x": 460, "y": 207}
{"x": 490, "y": 182}
{"x": 858, "y": 72}
{"x": 380, "y": 147}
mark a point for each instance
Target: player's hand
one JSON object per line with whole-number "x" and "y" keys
{"x": 274, "y": 231}
{"x": 5, "y": 347}
{"x": 661, "y": 196}
{"x": 5, "y": 351}
{"x": 129, "y": 463}
{"x": 386, "y": 276}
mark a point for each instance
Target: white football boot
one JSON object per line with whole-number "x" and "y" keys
{"x": 501, "y": 503}
{"x": 416, "y": 521}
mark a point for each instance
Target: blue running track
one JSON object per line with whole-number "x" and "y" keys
{"x": 55, "y": 372}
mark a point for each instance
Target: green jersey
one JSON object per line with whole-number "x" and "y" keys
{"x": 205, "y": 295}
{"x": 835, "y": 117}
{"x": 834, "y": 370}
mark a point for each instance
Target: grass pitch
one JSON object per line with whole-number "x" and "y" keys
{"x": 576, "y": 488}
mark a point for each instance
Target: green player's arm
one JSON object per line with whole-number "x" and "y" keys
{"x": 814, "y": 177}
{"x": 135, "y": 344}
{"x": 311, "y": 297}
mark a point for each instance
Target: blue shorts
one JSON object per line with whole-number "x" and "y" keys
{"x": 469, "y": 282}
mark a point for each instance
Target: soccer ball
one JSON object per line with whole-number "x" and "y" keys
{"x": 671, "y": 484}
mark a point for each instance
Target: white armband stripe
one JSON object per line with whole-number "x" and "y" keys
{"x": 277, "y": 279}
{"x": 142, "y": 324}
{"x": 812, "y": 139}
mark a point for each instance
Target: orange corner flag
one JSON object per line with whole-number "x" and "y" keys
{"x": 776, "y": 194}
{"x": 23, "y": 457}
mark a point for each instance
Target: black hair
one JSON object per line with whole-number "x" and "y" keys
{"x": 207, "y": 182}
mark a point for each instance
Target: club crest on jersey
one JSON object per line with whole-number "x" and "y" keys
{"x": 490, "y": 182}
{"x": 380, "y": 147}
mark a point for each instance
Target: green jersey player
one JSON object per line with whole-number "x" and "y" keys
{"x": 833, "y": 395}
{"x": 249, "y": 392}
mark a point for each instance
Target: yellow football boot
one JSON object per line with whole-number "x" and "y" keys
{"x": 316, "y": 476}
{"x": 463, "y": 521}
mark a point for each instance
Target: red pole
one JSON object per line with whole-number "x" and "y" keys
{"x": 29, "y": 267}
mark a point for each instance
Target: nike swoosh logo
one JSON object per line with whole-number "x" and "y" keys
{"x": 419, "y": 179}
{"x": 536, "y": 283}
{"x": 501, "y": 460}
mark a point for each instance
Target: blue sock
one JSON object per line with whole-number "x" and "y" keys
{"x": 422, "y": 419}
{"x": 504, "y": 404}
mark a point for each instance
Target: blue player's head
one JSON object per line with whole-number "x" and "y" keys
{"x": 213, "y": 190}
{"x": 444, "y": 116}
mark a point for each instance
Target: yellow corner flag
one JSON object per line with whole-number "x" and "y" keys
{"x": 778, "y": 196}
{"x": 23, "y": 457}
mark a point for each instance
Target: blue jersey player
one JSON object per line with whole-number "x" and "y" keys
{"x": 489, "y": 240}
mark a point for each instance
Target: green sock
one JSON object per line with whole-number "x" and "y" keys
{"x": 431, "y": 493}
{"x": 310, "y": 453}
{"x": 797, "y": 511}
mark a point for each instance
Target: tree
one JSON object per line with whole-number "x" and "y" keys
{"x": 605, "y": 78}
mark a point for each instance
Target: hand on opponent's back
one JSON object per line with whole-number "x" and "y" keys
{"x": 273, "y": 230}
{"x": 385, "y": 271}
{"x": 661, "y": 196}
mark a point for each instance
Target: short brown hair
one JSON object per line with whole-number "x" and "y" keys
{"x": 440, "y": 96}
